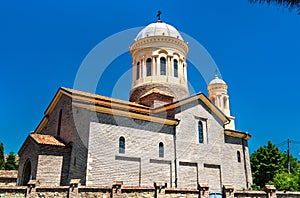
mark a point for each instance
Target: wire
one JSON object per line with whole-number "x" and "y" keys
{"x": 294, "y": 142}
{"x": 281, "y": 143}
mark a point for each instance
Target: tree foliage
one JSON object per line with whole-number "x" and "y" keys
{"x": 11, "y": 163}
{"x": 266, "y": 162}
{"x": 291, "y": 4}
{"x": 285, "y": 181}
{"x": 269, "y": 166}
{"x": 2, "y": 160}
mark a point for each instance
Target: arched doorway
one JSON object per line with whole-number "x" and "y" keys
{"x": 26, "y": 173}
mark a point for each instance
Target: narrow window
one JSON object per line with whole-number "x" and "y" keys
{"x": 200, "y": 131}
{"x": 161, "y": 149}
{"x": 183, "y": 73}
{"x": 175, "y": 68}
{"x": 138, "y": 70}
{"x": 59, "y": 123}
{"x": 238, "y": 155}
{"x": 162, "y": 66}
{"x": 148, "y": 66}
{"x": 121, "y": 144}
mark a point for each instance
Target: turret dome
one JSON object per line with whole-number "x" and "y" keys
{"x": 158, "y": 29}
{"x": 217, "y": 80}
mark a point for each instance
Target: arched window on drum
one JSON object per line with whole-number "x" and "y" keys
{"x": 148, "y": 67}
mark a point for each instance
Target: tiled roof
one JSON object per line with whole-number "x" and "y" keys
{"x": 104, "y": 98}
{"x": 8, "y": 173}
{"x": 46, "y": 139}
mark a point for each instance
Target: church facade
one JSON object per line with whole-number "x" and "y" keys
{"x": 162, "y": 134}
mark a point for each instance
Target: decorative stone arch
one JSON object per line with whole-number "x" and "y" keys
{"x": 176, "y": 54}
{"x": 162, "y": 51}
{"x": 26, "y": 173}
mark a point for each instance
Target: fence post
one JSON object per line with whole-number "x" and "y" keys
{"x": 31, "y": 190}
{"x": 73, "y": 189}
{"x": 228, "y": 191}
{"x": 271, "y": 191}
{"x": 160, "y": 189}
{"x": 203, "y": 190}
{"x": 116, "y": 191}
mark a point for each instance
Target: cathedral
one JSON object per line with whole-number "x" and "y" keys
{"x": 162, "y": 134}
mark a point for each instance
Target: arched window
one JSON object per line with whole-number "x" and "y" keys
{"x": 161, "y": 149}
{"x": 148, "y": 66}
{"x": 200, "y": 131}
{"x": 26, "y": 173}
{"x": 183, "y": 73}
{"x": 238, "y": 155}
{"x": 121, "y": 144}
{"x": 162, "y": 66}
{"x": 138, "y": 70}
{"x": 175, "y": 68}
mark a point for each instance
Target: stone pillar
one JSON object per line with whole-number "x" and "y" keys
{"x": 203, "y": 190}
{"x": 116, "y": 189}
{"x": 73, "y": 190}
{"x": 160, "y": 189}
{"x": 142, "y": 67}
{"x": 228, "y": 191}
{"x": 153, "y": 66}
{"x": 271, "y": 191}
{"x": 185, "y": 72}
{"x": 171, "y": 66}
{"x": 31, "y": 190}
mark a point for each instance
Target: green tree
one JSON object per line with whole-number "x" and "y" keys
{"x": 266, "y": 162}
{"x": 11, "y": 163}
{"x": 291, "y": 4}
{"x": 285, "y": 181}
{"x": 2, "y": 160}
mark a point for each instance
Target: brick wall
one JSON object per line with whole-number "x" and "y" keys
{"x": 29, "y": 153}
{"x": 140, "y": 164}
{"x": 214, "y": 161}
{"x": 74, "y": 130}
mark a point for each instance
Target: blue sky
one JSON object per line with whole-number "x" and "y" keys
{"x": 256, "y": 47}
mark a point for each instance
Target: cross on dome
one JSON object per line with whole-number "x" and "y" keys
{"x": 158, "y": 15}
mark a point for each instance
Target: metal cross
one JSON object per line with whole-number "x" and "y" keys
{"x": 158, "y": 15}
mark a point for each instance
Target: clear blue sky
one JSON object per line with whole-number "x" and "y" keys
{"x": 256, "y": 47}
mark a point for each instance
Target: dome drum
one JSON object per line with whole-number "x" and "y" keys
{"x": 162, "y": 42}
{"x": 158, "y": 61}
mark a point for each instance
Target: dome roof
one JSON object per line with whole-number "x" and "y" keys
{"x": 158, "y": 29}
{"x": 217, "y": 80}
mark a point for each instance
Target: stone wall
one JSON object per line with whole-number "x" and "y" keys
{"x": 117, "y": 190}
{"x": 215, "y": 159}
{"x": 8, "y": 177}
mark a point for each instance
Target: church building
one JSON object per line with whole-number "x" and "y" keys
{"x": 162, "y": 134}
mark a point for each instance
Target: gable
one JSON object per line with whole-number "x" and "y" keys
{"x": 102, "y": 104}
{"x": 189, "y": 102}
{"x": 39, "y": 139}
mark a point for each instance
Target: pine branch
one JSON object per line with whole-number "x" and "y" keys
{"x": 290, "y": 4}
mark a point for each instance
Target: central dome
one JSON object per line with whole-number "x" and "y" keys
{"x": 158, "y": 29}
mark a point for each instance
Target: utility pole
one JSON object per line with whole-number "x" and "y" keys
{"x": 288, "y": 153}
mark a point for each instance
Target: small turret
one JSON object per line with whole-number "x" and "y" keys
{"x": 217, "y": 93}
